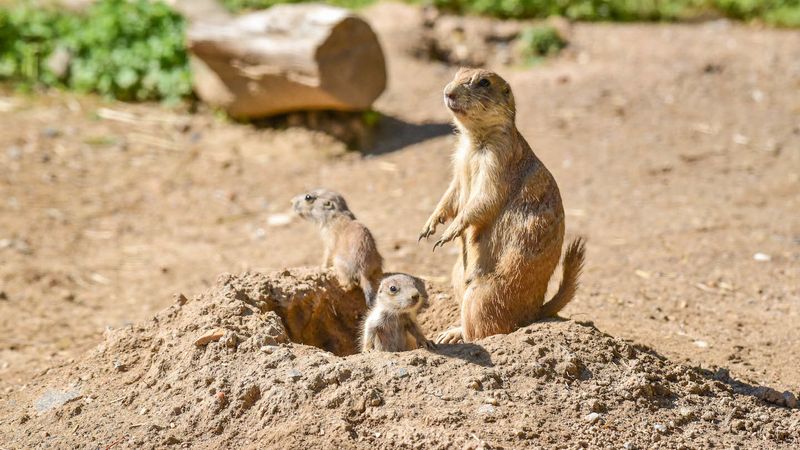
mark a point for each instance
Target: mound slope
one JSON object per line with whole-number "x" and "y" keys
{"x": 221, "y": 370}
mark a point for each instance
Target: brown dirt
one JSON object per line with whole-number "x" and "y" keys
{"x": 152, "y": 385}
{"x": 677, "y": 150}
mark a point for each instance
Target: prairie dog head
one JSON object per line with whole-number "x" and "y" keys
{"x": 320, "y": 206}
{"x": 479, "y": 98}
{"x": 401, "y": 293}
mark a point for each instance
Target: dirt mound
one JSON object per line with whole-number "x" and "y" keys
{"x": 220, "y": 371}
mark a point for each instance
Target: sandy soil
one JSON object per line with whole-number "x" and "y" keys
{"x": 676, "y": 147}
{"x": 556, "y": 384}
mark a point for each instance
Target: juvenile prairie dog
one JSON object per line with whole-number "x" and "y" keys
{"x": 349, "y": 246}
{"x": 391, "y": 325}
{"x": 506, "y": 210}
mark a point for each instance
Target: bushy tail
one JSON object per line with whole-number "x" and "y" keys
{"x": 573, "y": 265}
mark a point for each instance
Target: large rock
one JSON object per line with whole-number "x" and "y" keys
{"x": 287, "y": 58}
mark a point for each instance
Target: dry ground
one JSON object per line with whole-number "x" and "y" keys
{"x": 676, "y": 147}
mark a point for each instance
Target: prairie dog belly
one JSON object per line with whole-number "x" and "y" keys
{"x": 386, "y": 331}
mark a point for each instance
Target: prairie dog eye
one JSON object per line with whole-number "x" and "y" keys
{"x": 483, "y": 82}
{"x": 309, "y": 198}
{"x": 393, "y": 289}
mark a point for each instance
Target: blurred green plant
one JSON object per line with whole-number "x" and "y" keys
{"x": 28, "y": 37}
{"x": 538, "y": 41}
{"x": 774, "y": 12}
{"x": 371, "y": 118}
{"x": 129, "y": 50}
{"x": 246, "y": 5}
{"x": 785, "y": 13}
{"x": 616, "y": 10}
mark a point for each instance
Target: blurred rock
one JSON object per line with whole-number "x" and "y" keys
{"x": 466, "y": 41}
{"x": 58, "y": 63}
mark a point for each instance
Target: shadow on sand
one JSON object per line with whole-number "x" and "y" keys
{"x": 469, "y": 352}
{"x": 392, "y": 134}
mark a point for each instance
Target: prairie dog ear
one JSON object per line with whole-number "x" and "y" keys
{"x": 328, "y": 205}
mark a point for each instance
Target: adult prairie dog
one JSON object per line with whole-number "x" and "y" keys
{"x": 349, "y": 246}
{"x": 506, "y": 211}
{"x": 391, "y": 325}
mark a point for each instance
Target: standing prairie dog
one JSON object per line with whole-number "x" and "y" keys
{"x": 349, "y": 246}
{"x": 506, "y": 210}
{"x": 391, "y": 325}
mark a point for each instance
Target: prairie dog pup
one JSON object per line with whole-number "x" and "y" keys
{"x": 349, "y": 246}
{"x": 391, "y": 325}
{"x": 506, "y": 211}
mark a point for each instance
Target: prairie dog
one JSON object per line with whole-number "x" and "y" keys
{"x": 391, "y": 325}
{"x": 506, "y": 211}
{"x": 349, "y": 246}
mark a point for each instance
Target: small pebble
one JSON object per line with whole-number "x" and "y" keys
{"x": 14, "y": 153}
{"x": 294, "y": 374}
{"x": 592, "y": 417}
{"x": 740, "y": 139}
{"x": 486, "y": 409}
{"x": 661, "y": 428}
{"x": 50, "y": 132}
{"x": 762, "y": 257}
{"x": 402, "y": 372}
{"x": 258, "y": 234}
{"x": 279, "y": 220}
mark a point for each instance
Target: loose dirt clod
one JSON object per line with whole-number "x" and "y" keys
{"x": 213, "y": 336}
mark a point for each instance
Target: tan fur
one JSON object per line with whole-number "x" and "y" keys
{"x": 349, "y": 246}
{"x": 391, "y": 325}
{"x": 506, "y": 210}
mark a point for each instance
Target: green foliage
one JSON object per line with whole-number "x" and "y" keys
{"x": 776, "y": 12}
{"x": 27, "y": 37}
{"x": 539, "y": 41}
{"x": 244, "y": 5}
{"x": 371, "y": 118}
{"x": 618, "y": 10}
{"x": 129, "y": 50}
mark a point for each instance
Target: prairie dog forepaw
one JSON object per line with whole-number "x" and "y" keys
{"x": 451, "y": 336}
{"x": 427, "y": 344}
{"x": 453, "y": 231}
{"x": 430, "y": 227}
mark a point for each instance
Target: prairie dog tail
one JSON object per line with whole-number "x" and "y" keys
{"x": 573, "y": 265}
{"x": 370, "y": 284}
